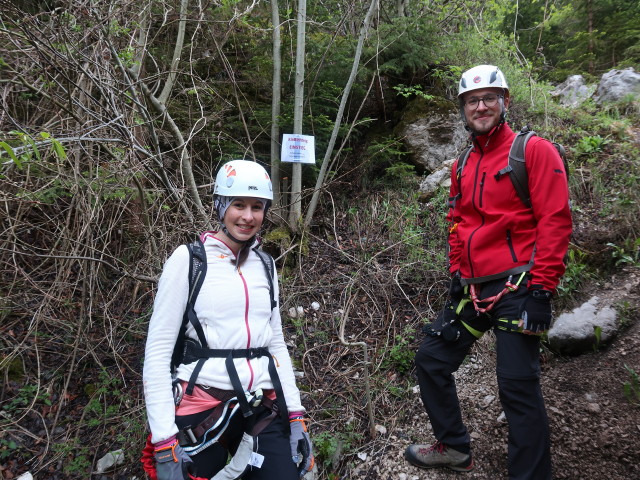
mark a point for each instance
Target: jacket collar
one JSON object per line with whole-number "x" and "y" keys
{"x": 210, "y": 241}
{"x": 487, "y": 142}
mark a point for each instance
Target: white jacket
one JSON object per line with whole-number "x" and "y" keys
{"x": 234, "y": 308}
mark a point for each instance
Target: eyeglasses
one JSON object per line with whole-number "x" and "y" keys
{"x": 488, "y": 100}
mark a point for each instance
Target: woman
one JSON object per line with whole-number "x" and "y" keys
{"x": 227, "y": 390}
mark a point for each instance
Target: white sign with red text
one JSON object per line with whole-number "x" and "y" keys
{"x": 298, "y": 148}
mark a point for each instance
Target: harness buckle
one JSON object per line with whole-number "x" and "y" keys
{"x": 254, "y": 353}
{"x": 255, "y": 399}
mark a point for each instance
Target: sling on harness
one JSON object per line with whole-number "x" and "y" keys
{"x": 189, "y": 350}
{"x": 508, "y": 287}
{"x": 450, "y": 316}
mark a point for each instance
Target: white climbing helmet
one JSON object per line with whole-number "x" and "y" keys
{"x": 482, "y": 76}
{"x": 243, "y": 178}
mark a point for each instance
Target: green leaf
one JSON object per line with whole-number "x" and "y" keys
{"x": 58, "y": 149}
{"x": 34, "y": 147}
{"x": 9, "y": 151}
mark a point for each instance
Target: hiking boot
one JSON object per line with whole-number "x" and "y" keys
{"x": 438, "y": 455}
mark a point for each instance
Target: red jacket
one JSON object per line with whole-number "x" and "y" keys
{"x": 492, "y": 231}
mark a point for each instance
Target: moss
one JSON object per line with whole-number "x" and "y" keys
{"x": 420, "y": 108}
{"x": 278, "y": 236}
{"x": 15, "y": 370}
{"x": 90, "y": 389}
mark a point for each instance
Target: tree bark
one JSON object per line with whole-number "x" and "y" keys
{"x": 295, "y": 214}
{"x": 275, "y": 107}
{"x": 590, "y": 34}
{"x": 177, "y": 51}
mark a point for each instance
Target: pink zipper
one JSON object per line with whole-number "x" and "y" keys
{"x": 246, "y": 324}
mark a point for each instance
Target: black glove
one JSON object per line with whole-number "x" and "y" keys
{"x": 172, "y": 462}
{"x": 456, "y": 289}
{"x": 449, "y": 330}
{"x": 536, "y": 312}
{"x": 301, "y": 448}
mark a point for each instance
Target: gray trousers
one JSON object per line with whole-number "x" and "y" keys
{"x": 518, "y": 375}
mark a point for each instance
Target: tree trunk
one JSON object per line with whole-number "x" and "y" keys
{"x": 590, "y": 34}
{"x": 177, "y": 51}
{"x": 275, "y": 107}
{"x": 295, "y": 214}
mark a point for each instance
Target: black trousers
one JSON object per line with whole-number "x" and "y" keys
{"x": 272, "y": 443}
{"x": 518, "y": 375}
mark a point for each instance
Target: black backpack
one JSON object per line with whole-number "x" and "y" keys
{"x": 516, "y": 167}
{"x": 197, "y": 273}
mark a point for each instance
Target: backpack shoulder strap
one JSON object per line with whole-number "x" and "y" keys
{"x": 462, "y": 160}
{"x": 197, "y": 268}
{"x": 197, "y": 272}
{"x": 516, "y": 167}
{"x": 269, "y": 267}
{"x": 519, "y": 176}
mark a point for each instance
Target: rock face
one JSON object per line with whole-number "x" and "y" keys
{"x": 573, "y": 91}
{"x": 617, "y": 84}
{"x": 439, "y": 178}
{"x": 434, "y": 138}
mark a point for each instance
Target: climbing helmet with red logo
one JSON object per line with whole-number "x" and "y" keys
{"x": 480, "y": 77}
{"x": 243, "y": 178}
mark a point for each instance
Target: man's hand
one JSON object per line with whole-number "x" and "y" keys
{"x": 301, "y": 448}
{"x": 172, "y": 461}
{"x": 535, "y": 314}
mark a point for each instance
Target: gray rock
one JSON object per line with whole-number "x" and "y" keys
{"x": 573, "y": 91}
{"x": 617, "y": 84}
{"x": 575, "y": 332}
{"x": 593, "y": 407}
{"x": 434, "y": 138}
{"x": 439, "y": 178}
{"x": 110, "y": 460}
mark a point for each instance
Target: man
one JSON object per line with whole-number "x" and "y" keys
{"x": 506, "y": 260}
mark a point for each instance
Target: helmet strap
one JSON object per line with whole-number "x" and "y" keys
{"x": 239, "y": 242}
{"x": 221, "y": 204}
{"x": 503, "y": 111}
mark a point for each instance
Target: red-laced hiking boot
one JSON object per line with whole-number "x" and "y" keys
{"x": 438, "y": 455}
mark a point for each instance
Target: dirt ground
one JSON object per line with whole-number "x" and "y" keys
{"x": 595, "y": 429}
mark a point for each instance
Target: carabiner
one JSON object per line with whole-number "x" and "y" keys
{"x": 178, "y": 392}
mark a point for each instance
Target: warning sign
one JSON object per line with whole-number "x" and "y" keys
{"x": 298, "y": 149}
